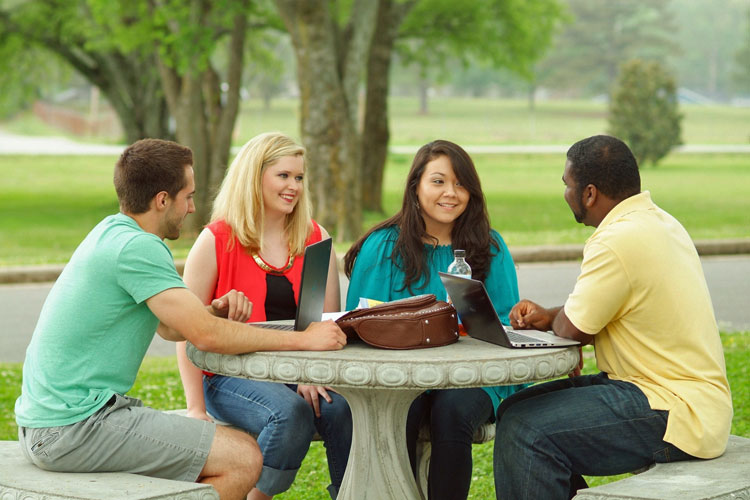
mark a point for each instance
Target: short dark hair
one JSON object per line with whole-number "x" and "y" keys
{"x": 607, "y": 163}
{"x": 148, "y": 167}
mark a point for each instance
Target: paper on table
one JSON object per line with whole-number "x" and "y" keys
{"x": 333, "y": 315}
{"x": 364, "y": 303}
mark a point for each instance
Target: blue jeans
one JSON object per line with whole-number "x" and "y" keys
{"x": 550, "y": 434}
{"x": 454, "y": 416}
{"x": 285, "y": 425}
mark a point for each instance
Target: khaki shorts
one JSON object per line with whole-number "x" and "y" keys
{"x": 123, "y": 436}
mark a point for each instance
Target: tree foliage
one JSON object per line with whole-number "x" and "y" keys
{"x": 708, "y": 33}
{"x": 440, "y": 36}
{"x": 643, "y": 110}
{"x": 187, "y": 38}
{"x": 70, "y": 30}
{"x": 601, "y": 35}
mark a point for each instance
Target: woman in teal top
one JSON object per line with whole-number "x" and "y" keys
{"x": 443, "y": 208}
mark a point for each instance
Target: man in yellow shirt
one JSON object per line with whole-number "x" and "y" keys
{"x": 662, "y": 394}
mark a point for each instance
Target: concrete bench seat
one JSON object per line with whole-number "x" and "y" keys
{"x": 19, "y": 479}
{"x": 723, "y": 478}
{"x": 484, "y": 434}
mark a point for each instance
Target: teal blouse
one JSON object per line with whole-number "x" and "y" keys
{"x": 374, "y": 276}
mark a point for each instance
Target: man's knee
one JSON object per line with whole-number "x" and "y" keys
{"x": 234, "y": 453}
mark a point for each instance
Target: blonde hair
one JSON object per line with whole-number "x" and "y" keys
{"x": 240, "y": 199}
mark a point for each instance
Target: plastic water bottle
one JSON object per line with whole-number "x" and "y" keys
{"x": 461, "y": 268}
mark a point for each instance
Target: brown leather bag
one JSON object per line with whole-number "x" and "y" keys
{"x": 411, "y": 323}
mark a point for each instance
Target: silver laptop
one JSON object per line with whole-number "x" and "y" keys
{"x": 312, "y": 289}
{"x": 480, "y": 319}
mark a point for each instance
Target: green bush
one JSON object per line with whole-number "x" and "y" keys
{"x": 643, "y": 111}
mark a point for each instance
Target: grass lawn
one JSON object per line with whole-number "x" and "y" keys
{"x": 503, "y": 121}
{"x": 475, "y": 121}
{"x": 158, "y": 385}
{"x": 48, "y": 203}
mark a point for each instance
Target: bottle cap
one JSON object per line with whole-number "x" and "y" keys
{"x": 459, "y": 253}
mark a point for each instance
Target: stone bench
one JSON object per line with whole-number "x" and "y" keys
{"x": 726, "y": 477}
{"x": 19, "y": 479}
{"x": 484, "y": 434}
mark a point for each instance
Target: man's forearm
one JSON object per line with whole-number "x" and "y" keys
{"x": 563, "y": 327}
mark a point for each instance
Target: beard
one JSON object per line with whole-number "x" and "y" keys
{"x": 579, "y": 212}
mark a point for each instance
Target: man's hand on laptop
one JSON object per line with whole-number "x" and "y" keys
{"x": 529, "y": 315}
{"x": 233, "y": 305}
{"x": 323, "y": 336}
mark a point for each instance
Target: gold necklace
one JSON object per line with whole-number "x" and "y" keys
{"x": 269, "y": 268}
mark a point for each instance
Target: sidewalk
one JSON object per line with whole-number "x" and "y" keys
{"x": 521, "y": 255}
{"x": 12, "y": 144}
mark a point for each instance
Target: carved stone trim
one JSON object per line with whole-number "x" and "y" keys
{"x": 471, "y": 364}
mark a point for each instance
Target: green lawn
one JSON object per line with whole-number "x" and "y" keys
{"x": 503, "y": 121}
{"x": 473, "y": 121}
{"x": 48, "y": 203}
{"x": 158, "y": 385}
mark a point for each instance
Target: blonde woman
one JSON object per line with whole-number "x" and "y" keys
{"x": 260, "y": 226}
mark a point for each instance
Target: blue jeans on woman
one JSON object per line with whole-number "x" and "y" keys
{"x": 285, "y": 425}
{"x": 454, "y": 415}
{"x": 550, "y": 434}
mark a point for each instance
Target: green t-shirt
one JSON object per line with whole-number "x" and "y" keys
{"x": 95, "y": 326}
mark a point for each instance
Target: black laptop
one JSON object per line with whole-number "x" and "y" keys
{"x": 312, "y": 289}
{"x": 478, "y": 315}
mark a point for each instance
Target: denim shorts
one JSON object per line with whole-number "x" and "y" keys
{"x": 123, "y": 436}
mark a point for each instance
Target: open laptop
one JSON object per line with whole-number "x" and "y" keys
{"x": 312, "y": 289}
{"x": 478, "y": 316}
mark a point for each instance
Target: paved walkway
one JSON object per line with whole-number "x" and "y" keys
{"x": 12, "y": 144}
{"x": 547, "y": 283}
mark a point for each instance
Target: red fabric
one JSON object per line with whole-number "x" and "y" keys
{"x": 237, "y": 270}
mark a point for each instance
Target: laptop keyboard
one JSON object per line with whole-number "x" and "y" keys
{"x": 274, "y": 326}
{"x": 519, "y": 338}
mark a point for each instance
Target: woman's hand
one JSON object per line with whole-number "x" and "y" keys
{"x": 312, "y": 394}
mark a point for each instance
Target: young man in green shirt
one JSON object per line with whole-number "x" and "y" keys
{"x": 119, "y": 287}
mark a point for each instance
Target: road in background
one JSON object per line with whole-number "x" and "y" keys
{"x": 548, "y": 284}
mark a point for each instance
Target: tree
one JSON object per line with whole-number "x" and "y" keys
{"x": 601, "y": 36}
{"x": 186, "y": 38}
{"x": 438, "y": 34}
{"x": 29, "y": 77}
{"x": 129, "y": 80}
{"x": 708, "y": 34}
{"x": 643, "y": 111}
{"x": 331, "y": 44}
{"x": 741, "y": 74}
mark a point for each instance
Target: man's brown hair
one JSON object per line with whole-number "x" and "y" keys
{"x": 148, "y": 167}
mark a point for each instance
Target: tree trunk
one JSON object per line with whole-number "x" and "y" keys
{"x": 205, "y": 118}
{"x": 330, "y": 62}
{"x": 135, "y": 93}
{"x": 424, "y": 103}
{"x": 131, "y": 84}
{"x": 376, "y": 133}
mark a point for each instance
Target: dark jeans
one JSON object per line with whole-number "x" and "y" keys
{"x": 454, "y": 415}
{"x": 550, "y": 434}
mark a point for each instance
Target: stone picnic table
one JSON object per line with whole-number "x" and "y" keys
{"x": 380, "y": 385}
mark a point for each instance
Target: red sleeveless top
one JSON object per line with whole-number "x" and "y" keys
{"x": 236, "y": 269}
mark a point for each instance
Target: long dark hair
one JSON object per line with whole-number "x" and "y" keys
{"x": 471, "y": 231}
